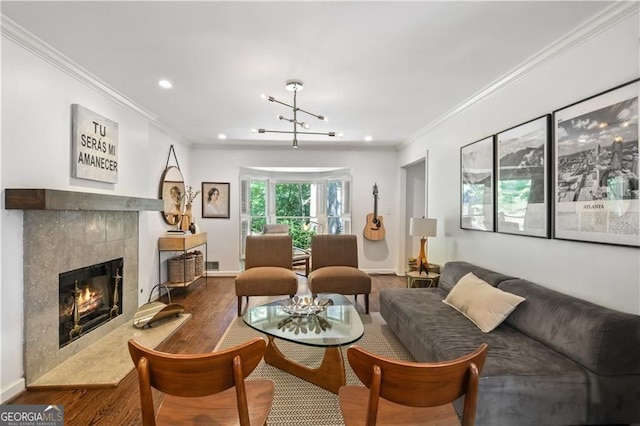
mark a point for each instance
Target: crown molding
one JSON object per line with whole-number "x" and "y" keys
{"x": 23, "y": 38}
{"x": 599, "y": 23}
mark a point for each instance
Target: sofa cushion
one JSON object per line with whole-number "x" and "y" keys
{"x": 453, "y": 271}
{"x": 433, "y": 331}
{"x": 484, "y": 305}
{"x": 603, "y": 340}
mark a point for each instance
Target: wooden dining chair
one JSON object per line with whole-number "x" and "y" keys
{"x": 207, "y": 388}
{"x": 410, "y": 393}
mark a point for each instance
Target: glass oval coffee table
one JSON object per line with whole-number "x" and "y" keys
{"x": 336, "y": 324}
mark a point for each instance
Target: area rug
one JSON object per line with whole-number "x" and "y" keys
{"x": 114, "y": 362}
{"x": 297, "y": 402}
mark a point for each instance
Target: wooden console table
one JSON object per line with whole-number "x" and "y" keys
{"x": 181, "y": 243}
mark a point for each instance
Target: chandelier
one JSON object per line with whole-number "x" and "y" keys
{"x": 295, "y": 86}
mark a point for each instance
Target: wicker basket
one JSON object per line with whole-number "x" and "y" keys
{"x": 199, "y": 262}
{"x": 182, "y": 268}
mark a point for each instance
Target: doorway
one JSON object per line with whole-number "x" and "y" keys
{"x": 415, "y": 205}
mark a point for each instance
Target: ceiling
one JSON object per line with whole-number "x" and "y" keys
{"x": 379, "y": 69}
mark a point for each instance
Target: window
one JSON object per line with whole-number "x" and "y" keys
{"x": 338, "y": 210}
{"x": 258, "y": 205}
{"x": 313, "y": 202}
{"x": 294, "y": 204}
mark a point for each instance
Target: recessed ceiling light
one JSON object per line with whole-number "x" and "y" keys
{"x": 165, "y": 84}
{"x": 222, "y": 136}
{"x": 368, "y": 138}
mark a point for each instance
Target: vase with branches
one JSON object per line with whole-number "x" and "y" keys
{"x": 187, "y": 217}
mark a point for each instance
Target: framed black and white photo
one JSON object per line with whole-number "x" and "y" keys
{"x": 215, "y": 200}
{"x": 596, "y": 168}
{"x": 522, "y": 188}
{"x": 476, "y": 192}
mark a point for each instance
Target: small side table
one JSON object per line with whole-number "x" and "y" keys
{"x": 412, "y": 265}
{"x": 430, "y": 279}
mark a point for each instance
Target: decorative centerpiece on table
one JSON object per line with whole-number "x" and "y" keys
{"x": 305, "y": 324}
{"x": 187, "y": 216}
{"x": 303, "y": 306}
{"x": 303, "y": 315}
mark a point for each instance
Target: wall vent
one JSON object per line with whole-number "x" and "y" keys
{"x": 212, "y": 265}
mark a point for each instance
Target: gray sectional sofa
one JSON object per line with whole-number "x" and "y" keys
{"x": 556, "y": 360}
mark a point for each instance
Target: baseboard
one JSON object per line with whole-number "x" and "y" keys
{"x": 221, "y": 273}
{"x": 13, "y": 390}
{"x": 235, "y": 273}
{"x": 380, "y": 271}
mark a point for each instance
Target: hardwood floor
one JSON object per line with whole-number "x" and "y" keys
{"x": 213, "y": 307}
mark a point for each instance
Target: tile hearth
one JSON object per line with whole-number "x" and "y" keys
{"x": 107, "y": 362}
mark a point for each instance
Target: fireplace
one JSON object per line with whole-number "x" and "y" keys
{"x": 88, "y": 298}
{"x": 65, "y": 231}
{"x": 59, "y": 242}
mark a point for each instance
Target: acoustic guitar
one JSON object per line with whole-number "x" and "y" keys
{"x": 374, "y": 229}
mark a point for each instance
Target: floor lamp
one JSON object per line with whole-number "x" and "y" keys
{"x": 423, "y": 228}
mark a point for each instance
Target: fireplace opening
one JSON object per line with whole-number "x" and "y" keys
{"x": 88, "y": 298}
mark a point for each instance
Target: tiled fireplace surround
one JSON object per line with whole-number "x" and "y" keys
{"x": 58, "y": 240}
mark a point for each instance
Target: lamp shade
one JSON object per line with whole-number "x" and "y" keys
{"x": 422, "y": 227}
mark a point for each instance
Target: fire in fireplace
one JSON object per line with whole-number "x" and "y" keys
{"x": 88, "y": 298}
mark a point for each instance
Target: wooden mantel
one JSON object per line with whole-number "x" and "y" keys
{"x": 53, "y": 199}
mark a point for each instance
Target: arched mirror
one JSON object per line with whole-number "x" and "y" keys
{"x": 172, "y": 194}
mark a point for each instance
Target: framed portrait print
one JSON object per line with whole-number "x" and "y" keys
{"x": 172, "y": 194}
{"x": 215, "y": 200}
{"x": 522, "y": 188}
{"x": 476, "y": 192}
{"x": 596, "y": 168}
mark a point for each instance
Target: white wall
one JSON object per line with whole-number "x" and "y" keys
{"x": 36, "y": 153}
{"x": 223, "y": 165}
{"x": 152, "y": 225}
{"x": 605, "y": 274}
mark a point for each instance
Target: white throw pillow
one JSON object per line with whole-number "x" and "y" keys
{"x": 485, "y": 305}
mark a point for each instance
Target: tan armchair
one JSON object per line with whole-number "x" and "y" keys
{"x": 267, "y": 268}
{"x": 334, "y": 264}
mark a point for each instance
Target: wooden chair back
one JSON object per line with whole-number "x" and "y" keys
{"x": 334, "y": 250}
{"x": 268, "y": 250}
{"x": 195, "y": 375}
{"x": 419, "y": 384}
